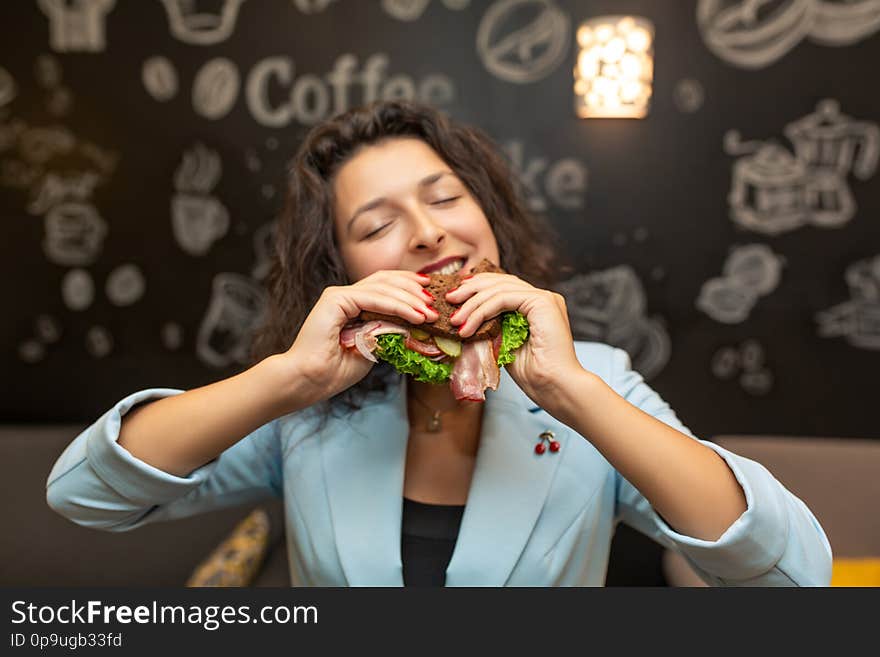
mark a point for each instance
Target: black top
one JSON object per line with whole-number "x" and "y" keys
{"x": 428, "y": 538}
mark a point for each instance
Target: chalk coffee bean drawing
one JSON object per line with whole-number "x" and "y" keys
{"x": 405, "y": 10}
{"x": 203, "y": 28}
{"x": 48, "y": 329}
{"x": 77, "y": 26}
{"x": 31, "y": 351}
{"x": 523, "y": 41}
{"x": 264, "y": 241}
{"x": 747, "y": 360}
{"x": 750, "y": 272}
{"x": 160, "y": 78}
{"x": 47, "y": 71}
{"x": 77, "y": 289}
{"x": 215, "y": 89}
{"x": 688, "y": 95}
{"x": 99, "y": 342}
{"x": 125, "y": 285}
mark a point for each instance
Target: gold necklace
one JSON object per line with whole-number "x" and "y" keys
{"x": 434, "y": 423}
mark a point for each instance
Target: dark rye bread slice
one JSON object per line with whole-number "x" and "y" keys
{"x": 441, "y": 284}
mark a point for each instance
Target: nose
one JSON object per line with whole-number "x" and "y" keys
{"x": 427, "y": 234}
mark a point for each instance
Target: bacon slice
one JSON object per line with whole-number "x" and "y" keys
{"x": 474, "y": 371}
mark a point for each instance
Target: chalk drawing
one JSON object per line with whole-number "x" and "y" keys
{"x": 775, "y": 191}
{"x": 198, "y": 219}
{"x": 236, "y": 308}
{"x": 76, "y": 26}
{"x": 264, "y": 245}
{"x": 48, "y": 329}
{"x": 518, "y": 51}
{"x": 74, "y": 234}
{"x": 77, "y": 289}
{"x": 753, "y": 34}
{"x": 563, "y": 183}
{"x": 39, "y": 145}
{"x": 31, "y": 351}
{"x": 55, "y": 188}
{"x": 844, "y": 22}
{"x": 201, "y": 28}
{"x": 47, "y": 71}
{"x": 688, "y": 95}
{"x": 610, "y": 306}
{"x": 412, "y": 10}
{"x": 744, "y": 362}
{"x": 172, "y": 336}
{"x": 8, "y": 90}
{"x": 59, "y": 101}
{"x": 160, "y": 78}
{"x": 830, "y": 142}
{"x": 750, "y": 272}
{"x": 312, "y": 6}
{"x": 858, "y": 319}
{"x": 125, "y": 285}
{"x": 405, "y": 10}
{"x": 99, "y": 342}
{"x": 215, "y": 89}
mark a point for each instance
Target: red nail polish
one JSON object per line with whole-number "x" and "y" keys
{"x": 464, "y": 278}
{"x": 452, "y": 290}
{"x": 453, "y": 313}
{"x": 429, "y": 295}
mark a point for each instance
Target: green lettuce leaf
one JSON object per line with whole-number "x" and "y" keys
{"x": 392, "y": 349}
{"x": 514, "y": 333}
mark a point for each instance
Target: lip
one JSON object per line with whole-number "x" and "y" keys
{"x": 440, "y": 264}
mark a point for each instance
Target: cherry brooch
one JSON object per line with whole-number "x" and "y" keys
{"x": 547, "y": 436}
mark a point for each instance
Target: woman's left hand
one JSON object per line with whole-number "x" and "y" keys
{"x": 547, "y": 359}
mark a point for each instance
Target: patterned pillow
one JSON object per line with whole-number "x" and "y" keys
{"x": 237, "y": 560}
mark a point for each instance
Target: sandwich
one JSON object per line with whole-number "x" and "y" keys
{"x": 433, "y": 352}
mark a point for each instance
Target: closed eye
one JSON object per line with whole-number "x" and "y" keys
{"x": 377, "y": 231}
{"x": 446, "y": 200}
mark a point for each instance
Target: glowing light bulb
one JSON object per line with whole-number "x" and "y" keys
{"x": 638, "y": 40}
{"x": 614, "y": 50}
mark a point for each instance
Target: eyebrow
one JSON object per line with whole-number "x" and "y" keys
{"x": 376, "y": 202}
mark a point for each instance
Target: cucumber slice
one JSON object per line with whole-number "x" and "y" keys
{"x": 448, "y": 347}
{"x": 419, "y": 334}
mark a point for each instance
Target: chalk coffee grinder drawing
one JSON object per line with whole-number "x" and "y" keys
{"x": 774, "y": 191}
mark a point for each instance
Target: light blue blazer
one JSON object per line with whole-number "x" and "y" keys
{"x": 530, "y": 520}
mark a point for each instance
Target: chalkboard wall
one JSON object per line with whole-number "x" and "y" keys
{"x": 729, "y": 241}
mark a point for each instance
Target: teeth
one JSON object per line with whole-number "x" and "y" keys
{"x": 452, "y": 267}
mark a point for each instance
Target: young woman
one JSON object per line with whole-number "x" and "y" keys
{"x": 377, "y": 196}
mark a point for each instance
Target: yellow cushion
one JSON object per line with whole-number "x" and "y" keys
{"x": 856, "y": 572}
{"x": 236, "y": 561}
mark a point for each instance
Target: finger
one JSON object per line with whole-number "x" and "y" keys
{"x": 419, "y": 300}
{"x": 354, "y": 300}
{"x": 472, "y": 284}
{"x": 396, "y": 276}
{"x": 486, "y": 305}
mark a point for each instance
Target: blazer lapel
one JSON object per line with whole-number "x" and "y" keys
{"x": 364, "y": 457}
{"x": 508, "y": 490}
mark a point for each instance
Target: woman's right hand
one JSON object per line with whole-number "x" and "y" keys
{"x": 318, "y": 357}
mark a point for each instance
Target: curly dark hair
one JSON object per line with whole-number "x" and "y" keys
{"x": 306, "y": 260}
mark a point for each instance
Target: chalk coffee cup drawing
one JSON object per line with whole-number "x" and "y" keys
{"x": 198, "y": 222}
{"x": 236, "y": 308}
{"x": 190, "y": 25}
